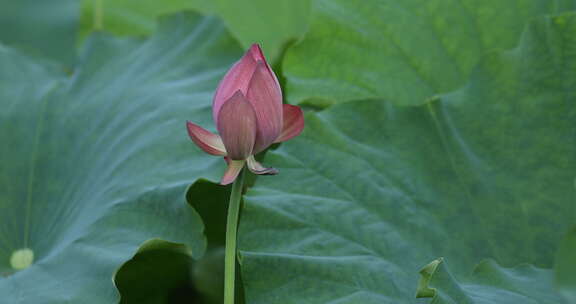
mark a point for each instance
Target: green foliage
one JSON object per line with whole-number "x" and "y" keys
{"x": 491, "y": 283}
{"x": 270, "y": 23}
{"x": 401, "y": 51}
{"x": 131, "y": 17}
{"x": 566, "y": 266}
{"x": 250, "y": 21}
{"x": 158, "y": 266}
{"x": 45, "y": 28}
{"x": 371, "y": 192}
{"x": 98, "y": 162}
{"x": 210, "y": 201}
{"x": 163, "y": 272}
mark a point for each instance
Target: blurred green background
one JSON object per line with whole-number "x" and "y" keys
{"x": 53, "y": 29}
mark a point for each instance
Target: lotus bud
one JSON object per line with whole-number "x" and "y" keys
{"x": 249, "y": 116}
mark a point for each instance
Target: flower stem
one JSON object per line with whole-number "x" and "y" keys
{"x": 97, "y": 22}
{"x": 231, "y": 229}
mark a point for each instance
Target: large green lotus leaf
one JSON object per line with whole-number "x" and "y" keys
{"x": 95, "y": 164}
{"x": 371, "y": 192}
{"x": 403, "y": 51}
{"x": 46, "y": 28}
{"x": 489, "y": 283}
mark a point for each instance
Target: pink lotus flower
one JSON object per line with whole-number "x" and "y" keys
{"x": 249, "y": 116}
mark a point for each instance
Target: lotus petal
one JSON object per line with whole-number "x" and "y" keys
{"x": 234, "y": 168}
{"x": 266, "y": 98}
{"x": 237, "y": 126}
{"x": 293, "y": 120}
{"x": 257, "y": 167}
{"x": 206, "y": 140}
{"x": 237, "y": 78}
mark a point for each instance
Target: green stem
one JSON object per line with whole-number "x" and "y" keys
{"x": 98, "y": 15}
{"x": 231, "y": 229}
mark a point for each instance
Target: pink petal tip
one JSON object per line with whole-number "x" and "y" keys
{"x": 206, "y": 140}
{"x": 293, "y": 122}
{"x": 266, "y": 97}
